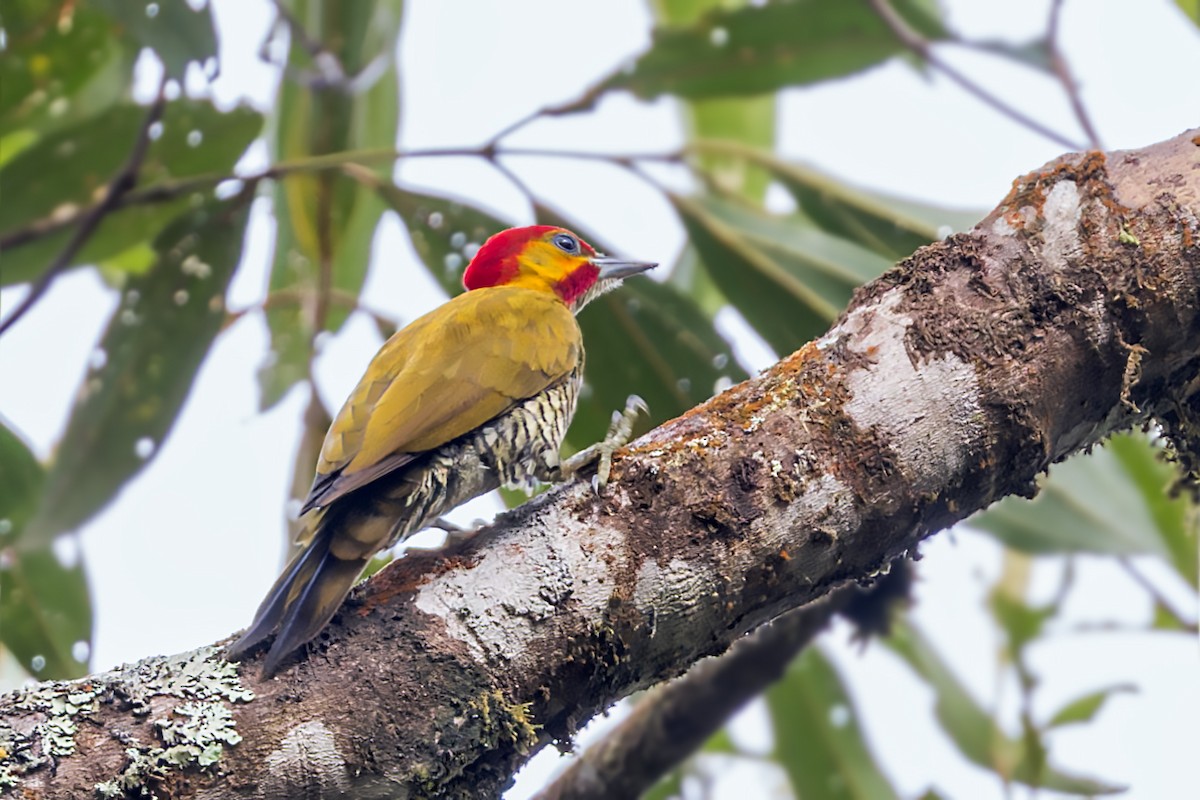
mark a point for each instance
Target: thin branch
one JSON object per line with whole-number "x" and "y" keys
{"x": 581, "y": 103}
{"x": 512, "y": 128}
{"x": 311, "y": 46}
{"x": 918, "y": 44}
{"x": 514, "y": 179}
{"x": 172, "y": 189}
{"x": 330, "y": 72}
{"x": 121, "y": 184}
{"x": 292, "y": 296}
{"x": 1157, "y": 596}
{"x": 676, "y": 720}
{"x": 1062, "y": 69}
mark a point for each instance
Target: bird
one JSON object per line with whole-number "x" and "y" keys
{"x": 476, "y": 394}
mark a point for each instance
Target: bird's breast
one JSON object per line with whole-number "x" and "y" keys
{"x": 511, "y": 450}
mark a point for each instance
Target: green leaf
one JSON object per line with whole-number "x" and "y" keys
{"x": 750, "y": 120}
{"x": 818, "y": 740}
{"x": 648, "y": 339}
{"x": 1085, "y": 708}
{"x": 891, "y": 226}
{"x": 21, "y": 479}
{"x": 66, "y": 168}
{"x": 1166, "y": 619}
{"x": 1191, "y": 8}
{"x": 57, "y": 69}
{"x": 177, "y": 32}
{"x": 788, "y": 278}
{"x": 747, "y": 120}
{"x": 972, "y": 729}
{"x": 1022, "y": 623}
{"x": 326, "y": 219}
{"x": 1113, "y": 501}
{"x": 670, "y": 785}
{"x": 45, "y": 611}
{"x": 1176, "y": 519}
{"x": 759, "y": 49}
{"x": 152, "y": 350}
{"x": 689, "y": 276}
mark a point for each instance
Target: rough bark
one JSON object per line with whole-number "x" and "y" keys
{"x": 1070, "y": 312}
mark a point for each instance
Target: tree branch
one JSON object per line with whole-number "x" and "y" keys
{"x": 121, "y": 184}
{"x": 1070, "y": 312}
{"x": 678, "y": 718}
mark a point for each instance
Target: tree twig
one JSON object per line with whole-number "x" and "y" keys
{"x": 121, "y": 184}
{"x": 1062, "y": 69}
{"x": 674, "y": 721}
{"x": 292, "y": 296}
{"x": 918, "y": 44}
{"x": 511, "y": 128}
{"x": 330, "y": 72}
{"x": 584, "y": 101}
{"x": 1155, "y": 594}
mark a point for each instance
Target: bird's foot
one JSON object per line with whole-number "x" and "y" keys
{"x": 620, "y": 431}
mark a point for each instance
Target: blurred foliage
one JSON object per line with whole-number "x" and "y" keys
{"x": 1191, "y": 8}
{"x": 762, "y": 48}
{"x": 195, "y": 139}
{"x": 1117, "y": 501}
{"x": 818, "y": 740}
{"x": 177, "y": 32}
{"x": 143, "y": 367}
{"x": 973, "y": 729}
{"x": 339, "y": 96}
{"x": 174, "y": 244}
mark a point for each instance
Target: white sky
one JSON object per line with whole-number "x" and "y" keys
{"x": 184, "y": 555}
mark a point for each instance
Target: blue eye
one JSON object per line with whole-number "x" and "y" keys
{"x": 566, "y": 243}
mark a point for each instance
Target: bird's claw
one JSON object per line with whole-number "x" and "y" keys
{"x": 620, "y": 431}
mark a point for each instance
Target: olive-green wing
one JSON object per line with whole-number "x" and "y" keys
{"x": 447, "y": 373}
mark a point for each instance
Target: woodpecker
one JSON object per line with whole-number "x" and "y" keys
{"x": 474, "y": 395}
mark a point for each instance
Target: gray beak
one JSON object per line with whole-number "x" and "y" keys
{"x": 617, "y": 268}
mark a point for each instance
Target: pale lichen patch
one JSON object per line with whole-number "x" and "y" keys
{"x": 61, "y": 705}
{"x": 678, "y": 591}
{"x": 1061, "y": 212}
{"x": 496, "y": 608}
{"x": 1002, "y": 227}
{"x": 190, "y": 733}
{"x": 827, "y": 503}
{"x": 307, "y": 763}
{"x": 711, "y": 440}
{"x": 927, "y": 409}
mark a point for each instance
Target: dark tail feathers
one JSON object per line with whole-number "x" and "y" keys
{"x": 304, "y": 598}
